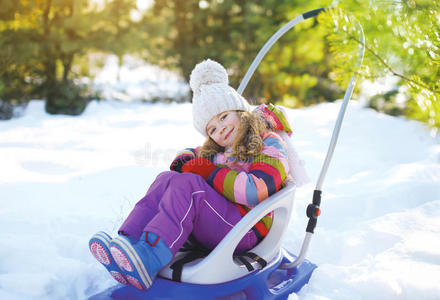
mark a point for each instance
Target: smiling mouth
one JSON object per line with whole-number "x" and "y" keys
{"x": 229, "y": 133}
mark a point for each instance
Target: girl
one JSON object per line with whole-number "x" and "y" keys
{"x": 209, "y": 189}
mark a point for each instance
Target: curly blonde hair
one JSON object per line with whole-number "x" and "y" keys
{"x": 248, "y": 144}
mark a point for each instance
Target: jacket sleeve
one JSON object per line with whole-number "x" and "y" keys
{"x": 182, "y": 157}
{"x": 266, "y": 175}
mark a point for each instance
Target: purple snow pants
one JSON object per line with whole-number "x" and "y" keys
{"x": 178, "y": 204}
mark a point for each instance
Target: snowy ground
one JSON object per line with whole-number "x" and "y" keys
{"x": 64, "y": 178}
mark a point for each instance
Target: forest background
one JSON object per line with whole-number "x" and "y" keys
{"x": 49, "y": 47}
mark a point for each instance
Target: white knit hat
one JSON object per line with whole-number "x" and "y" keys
{"x": 212, "y": 94}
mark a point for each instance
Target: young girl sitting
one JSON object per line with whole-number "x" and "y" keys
{"x": 209, "y": 189}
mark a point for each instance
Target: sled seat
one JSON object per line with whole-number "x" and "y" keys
{"x": 220, "y": 266}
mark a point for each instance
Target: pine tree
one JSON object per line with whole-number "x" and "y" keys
{"x": 401, "y": 40}
{"x": 182, "y": 33}
{"x": 15, "y": 53}
{"x": 41, "y": 39}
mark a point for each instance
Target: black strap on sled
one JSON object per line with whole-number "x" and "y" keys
{"x": 194, "y": 250}
{"x": 243, "y": 258}
{"x": 177, "y": 266}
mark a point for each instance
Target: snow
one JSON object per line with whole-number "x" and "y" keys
{"x": 64, "y": 178}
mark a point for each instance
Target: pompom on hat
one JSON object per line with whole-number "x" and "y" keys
{"x": 212, "y": 94}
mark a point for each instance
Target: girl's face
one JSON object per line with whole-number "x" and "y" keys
{"x": 223, "y": 128}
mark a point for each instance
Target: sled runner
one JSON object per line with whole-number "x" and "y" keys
{"x": 265, "y": 272}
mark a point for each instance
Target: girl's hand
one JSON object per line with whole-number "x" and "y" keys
{"x": 182, "y": 158}
{"x": 200, "y": 166}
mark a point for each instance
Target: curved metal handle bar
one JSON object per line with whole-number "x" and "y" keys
{"x": 336, "y": 130}
{"x": 347, "y": 96}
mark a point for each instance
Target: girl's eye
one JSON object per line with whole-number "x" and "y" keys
{"x": 223, "y": 117}
{"x": 212, "y": 131}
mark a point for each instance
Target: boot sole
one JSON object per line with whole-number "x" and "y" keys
{"x": 130, "y": 263}
{"x": 99, "y": 247}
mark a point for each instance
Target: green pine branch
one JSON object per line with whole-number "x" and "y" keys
{"x": 387, "y": 66}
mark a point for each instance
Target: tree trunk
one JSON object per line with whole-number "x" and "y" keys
{"x": 49, "y": 61}
{"x": 67, "y": 66}
{"x": 120, "y": 62}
